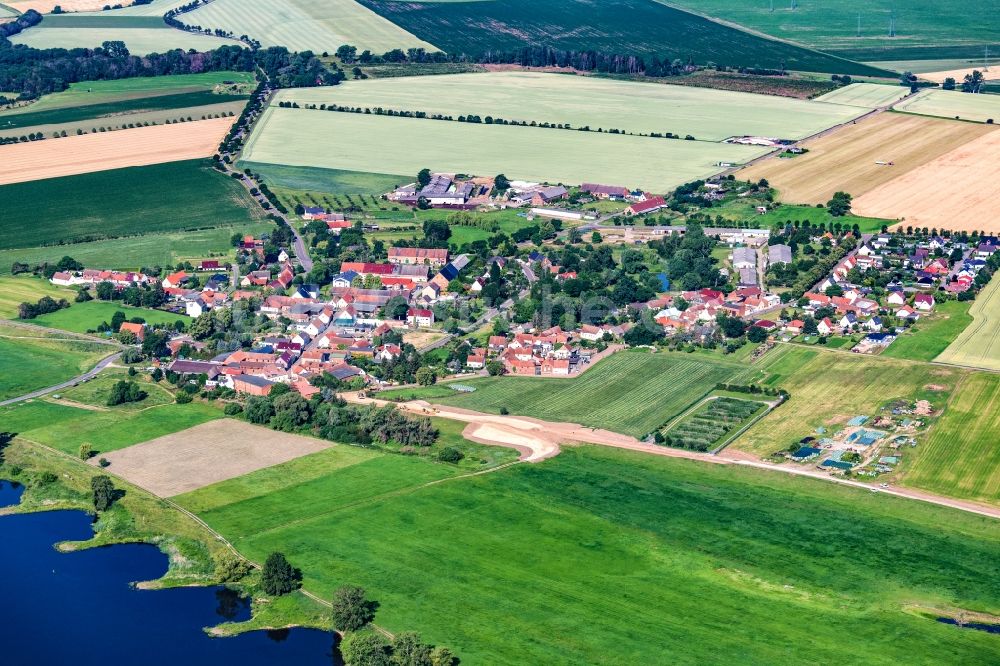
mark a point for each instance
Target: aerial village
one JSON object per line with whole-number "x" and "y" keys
{"x": 388, "y": 312}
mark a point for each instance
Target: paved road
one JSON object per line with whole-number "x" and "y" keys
{"x": 93, "y": 372}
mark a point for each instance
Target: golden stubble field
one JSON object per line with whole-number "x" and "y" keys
{"x": 959, "y": 190}
{"x": 845, "y": 159}
{"x": 46, "y": 6}
{"x": 51, "y": 158}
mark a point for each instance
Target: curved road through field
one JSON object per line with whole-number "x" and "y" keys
{"x": 538, "y": 440}
{"x": 90, "y": 374}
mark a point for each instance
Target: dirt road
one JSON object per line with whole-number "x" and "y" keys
{"x": 539, "y": 440}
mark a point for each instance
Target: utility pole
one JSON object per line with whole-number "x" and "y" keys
{"x": 892, "y": 23}
{"x": 859, "y": 24}
{"x": 986, "y": 58}
{"x": 794, "y": 4}
{"x": 772, "y": 6}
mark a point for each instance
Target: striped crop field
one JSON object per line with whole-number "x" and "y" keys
{"x": 392, "y": 145}
{"x": 978, "y": 345}
{"x": 865, "y": 95}
{"x": 632, "y": 392}
{"x": 961, "y": 457}
{"x": 305, "y": 25}
{"x": 953, "y": 104}
{"x": 587, "y": 101}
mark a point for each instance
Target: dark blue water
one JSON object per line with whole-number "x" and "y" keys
{"x": 10, "y": 493}
{"x": 80, "y": 608}
{"x": 978, "y": 626}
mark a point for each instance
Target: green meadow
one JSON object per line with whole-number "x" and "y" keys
{"x": 932, "y": 334}
{"x": 83, "y": 317}
{"x": 17, "y": 289}
{"x": 185, "y": 195}
{"x": 613, "y": 557}
{"x": 65, "y": 428}
{"x": 30, "y": 363}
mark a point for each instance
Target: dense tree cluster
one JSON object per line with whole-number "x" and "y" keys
{"x": 690, "y": 263}
{"x": 44, "y": 305}
{"x": 34, "y": 72}
{"x": 125, "y": 391}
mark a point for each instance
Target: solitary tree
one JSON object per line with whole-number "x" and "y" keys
{"x": 279, "y": 577}
{"x": 409, "y": 650}
{"x": 425, "y": 376}
{"x": 103, "y": 491}
{"x": 351, "y": 609}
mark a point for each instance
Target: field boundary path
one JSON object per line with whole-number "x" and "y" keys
{"x": 817, "y": 135}
{"x": 90, "y": 374}
{"x": 538, "y": 440}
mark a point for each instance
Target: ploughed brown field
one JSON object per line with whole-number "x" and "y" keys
{"x": 846, "y": 158}
{"x": 206, "y": 454}
{"x": 959, "y": 190}
{"x": 51, "y": 158}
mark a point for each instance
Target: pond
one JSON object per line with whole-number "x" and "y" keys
{"x": 82, "y": 608}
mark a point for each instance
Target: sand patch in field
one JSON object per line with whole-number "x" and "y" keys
{"x": 52, "y": 158}
{"x": 959, "y": 190}
{"x": 206, "y": 454}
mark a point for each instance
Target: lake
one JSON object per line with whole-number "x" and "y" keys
{"x": 81, "y": 608}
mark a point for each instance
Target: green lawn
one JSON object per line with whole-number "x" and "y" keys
{"x": 17, "y": 289}
{"x": 932, "y": 334}
{"x": 633, "y": 392}
{"x": 122, "y": 202}
{"x": 961, "y": 458}
{"x": 83, "y": 317}
{"x": 30, "y": 363}
{"x": 829, "y": 387}
{"x": 613, "y": 557}
{"x": 65, "y": 428}
{"x": 134, "y": 252}
{"x": 86, "y": 93}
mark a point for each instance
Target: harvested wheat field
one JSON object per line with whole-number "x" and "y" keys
{"x": 959, "y": 190}
{"x": 959, "y": 74}
{"x": 206, "y": 454}
{"x": 51, "y": 158}
{"x": 845, "y": 159}
{"x": 46, "y": 6}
